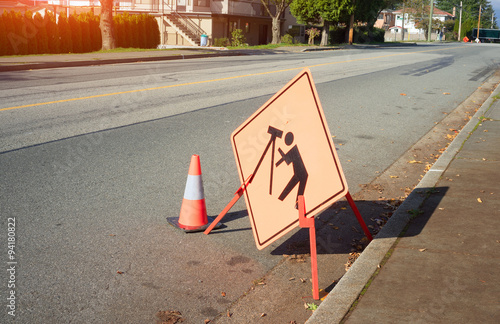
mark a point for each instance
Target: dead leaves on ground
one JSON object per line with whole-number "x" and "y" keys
{"x": 299, "y": 258}
{"x": 170, "y": 317}
{"x": 350, "y": 261}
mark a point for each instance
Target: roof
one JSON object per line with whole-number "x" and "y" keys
{"x": 436, "y": 12}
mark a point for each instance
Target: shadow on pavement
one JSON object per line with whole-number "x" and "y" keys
{"x": 338, "y": 232}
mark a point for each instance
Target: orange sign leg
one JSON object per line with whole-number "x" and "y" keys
{"x": 308, "y": 222}
{"x": 237, "y": 196}
{"x": 358, "y": 216}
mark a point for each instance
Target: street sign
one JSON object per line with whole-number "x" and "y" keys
{"x": 286, "y": 150}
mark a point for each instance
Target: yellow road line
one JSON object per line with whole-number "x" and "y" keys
{"x": 214, "y": 80}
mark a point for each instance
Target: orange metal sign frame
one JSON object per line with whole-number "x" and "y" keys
{"x": 286, "y": 150}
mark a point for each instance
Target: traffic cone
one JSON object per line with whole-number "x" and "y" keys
{"x": 193, "y": 210}
{"x": 193, "y": 215}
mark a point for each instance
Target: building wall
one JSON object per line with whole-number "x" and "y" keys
{"x": 421, "y": 35}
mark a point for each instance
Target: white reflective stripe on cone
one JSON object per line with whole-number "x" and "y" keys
{"x": 194, "y": 188}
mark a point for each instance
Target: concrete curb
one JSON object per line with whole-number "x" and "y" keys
{"x": 218, "y": 52}
{"x": 51, "y": 65}
{"x": 339, "y": 301}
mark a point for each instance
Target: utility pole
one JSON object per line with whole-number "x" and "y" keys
{"x": 479, "y": 22}
{"x": 403, "y": 23}
{"x": 460, "y": 23}
{"x": 430, "y": 21}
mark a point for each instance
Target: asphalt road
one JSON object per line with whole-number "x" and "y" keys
{"x": 94, "y": 158}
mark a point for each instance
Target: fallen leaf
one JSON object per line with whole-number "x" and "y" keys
{"x": 414, "y": 161}
{"x": 171, "y": 317}
{"x": 334, "y": 227}
{"x": 421, "y": 250}
{"x": 479, "y": 200}
{"x": 223, "y": 294}
{"x": 394, "y": 177}
{"x": 446, "y": 93}
{"x": 403, "y": 94}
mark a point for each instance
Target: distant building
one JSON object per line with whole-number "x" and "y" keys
{"x": 182, "y": 22}
{"x": 385, "y": 19}
{"x": 411, "y": 31}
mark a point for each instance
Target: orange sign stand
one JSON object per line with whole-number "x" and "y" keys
{"x": 289, "y": 138}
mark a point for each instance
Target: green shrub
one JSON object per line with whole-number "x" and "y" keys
{"x": 3, "y": 37}
{"x": 221, "y": 42}
{"x": 41, "y": 37}
{"x": 312, "y": 33}
{"x": 33, "y": 34}
{"x": 66, "y": 43}
{"x": 76, "y": 33}
{"x": 17, "y": 42}
{"x": 238, "y": 39}
{"x": 287, "y": 39}
{"x": 30, "y": 33}
{"x": 52, "y": 32}
{"x": 136, "y": 31}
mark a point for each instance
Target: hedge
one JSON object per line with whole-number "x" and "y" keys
{"x": 33, "y": 34}
{"x": 361, "y": 35}
{"x": 136, "y": 31}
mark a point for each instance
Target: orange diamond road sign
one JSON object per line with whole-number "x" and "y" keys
{"x": 287, "y": 147}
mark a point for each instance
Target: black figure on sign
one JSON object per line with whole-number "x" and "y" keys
{"x": 299, "y": 170}
{"x": 275, "y": 133}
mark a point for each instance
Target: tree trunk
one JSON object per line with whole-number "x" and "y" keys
{"x": 106, "y": 25}
{"x": 351, "y": 29}
{"x": 324, "y": 33}
{"x": 276, "y": 30}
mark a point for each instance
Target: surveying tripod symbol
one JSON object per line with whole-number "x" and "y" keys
{"x": 291, "y": 157}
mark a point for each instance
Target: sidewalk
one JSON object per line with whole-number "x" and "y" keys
{"x": 32, "y": 62}
{"x": 445, "y": 265}
{"x": 35, "y": 62}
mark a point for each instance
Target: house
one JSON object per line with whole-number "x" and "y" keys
{"x": 182, "y": 22}
{"x": 412, "y": 32}
{"x": 385, "y": 19}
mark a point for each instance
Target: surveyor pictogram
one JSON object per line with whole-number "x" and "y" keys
{"x": 284, "y": 150}
{"x": 299, "y": 169}
{"x": 293, "y": 157}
